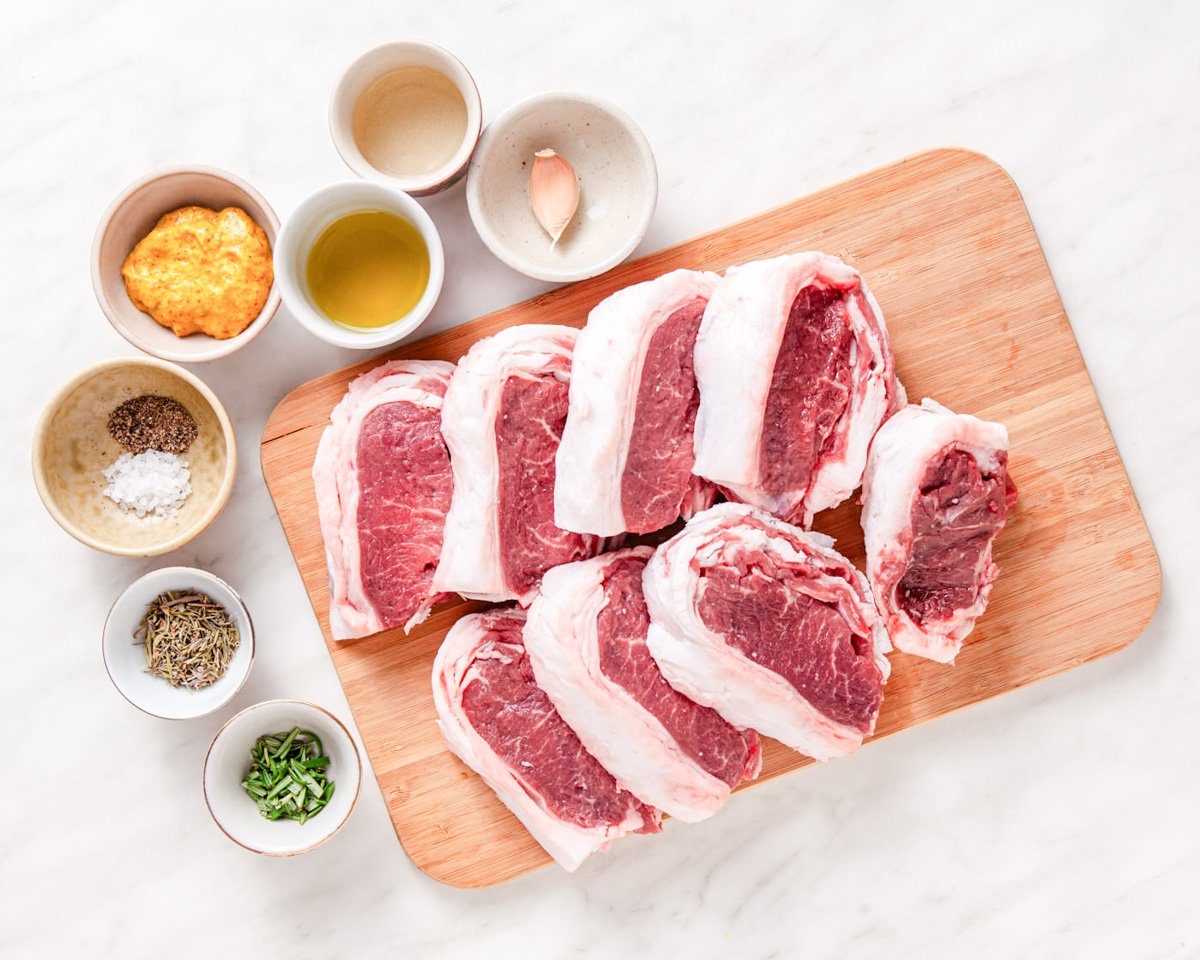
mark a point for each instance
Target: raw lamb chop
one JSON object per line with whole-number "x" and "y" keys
{"x": 795, "y": 376}
{"x": 625, "y": 461}
{"x": 935, "y": 494}
{"x": 499, "y": 723}
{"x": 383, "y": 484}
{"x": 502, "y": 419}
{"x": 586, "y": 640}
{"x": 771, "y": 627}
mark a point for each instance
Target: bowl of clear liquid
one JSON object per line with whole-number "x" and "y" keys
{"x": 407, "y": 114}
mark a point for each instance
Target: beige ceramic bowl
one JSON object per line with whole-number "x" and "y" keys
{"x": 133, "y": 215}
{"x": 618, "y": 183}
{"x": 71, "y": 448}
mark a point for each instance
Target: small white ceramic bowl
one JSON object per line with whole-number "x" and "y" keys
{"x": 228, "y": 762}
{"x": 383, "y": 60}
{"x": 617, "y": 178}
{"x": 301, "y": 230}
{"x": 72, "y": 447}
{"x": 125, "y": 657}
{"x": 132, "y": 215}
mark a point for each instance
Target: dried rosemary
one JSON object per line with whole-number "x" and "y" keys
{"x": 189, "y": 639}
{"x": 287, "y": 775}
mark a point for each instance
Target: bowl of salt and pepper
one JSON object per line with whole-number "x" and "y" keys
{"x": 134, "y": 457}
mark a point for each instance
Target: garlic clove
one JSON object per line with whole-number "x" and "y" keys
{"x": 553, "y": 192}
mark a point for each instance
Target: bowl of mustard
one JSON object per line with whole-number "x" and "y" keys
{"x": 182, "y": 263}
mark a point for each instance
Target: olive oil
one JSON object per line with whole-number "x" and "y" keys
{"x": 368, "y": 269}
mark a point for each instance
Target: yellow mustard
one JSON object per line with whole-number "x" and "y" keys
{"x": 201, "y": 271}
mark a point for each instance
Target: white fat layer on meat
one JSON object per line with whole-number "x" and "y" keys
{"x": 900, "y": 455}
{"x": 736, "y": 352}
{"x": 605, "y": 377}
{"x": 471, "y": 562}
{"x": 335, "y": 480}
{"x": 562, "y": 640}
{"x": 453, "y": 668}
{"x": 701, "y": 665}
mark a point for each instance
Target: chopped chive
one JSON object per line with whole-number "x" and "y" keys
{"x": 287, "y": 743}
{"x": 287, "y": 776}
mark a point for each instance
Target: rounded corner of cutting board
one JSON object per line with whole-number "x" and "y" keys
{"x": 468, "y": 875}
{"x": 966, "y": 155}
{"x": 1153, "y": 597}
{"x": 973, "y": 159}
{"x": 443, "y": 871}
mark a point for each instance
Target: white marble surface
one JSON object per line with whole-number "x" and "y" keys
{"x": 1057, "y": 821}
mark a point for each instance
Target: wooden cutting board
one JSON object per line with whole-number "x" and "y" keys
{"x": 945, "y": 243}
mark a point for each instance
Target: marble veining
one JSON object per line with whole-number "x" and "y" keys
{"x": 1057, "y": 821}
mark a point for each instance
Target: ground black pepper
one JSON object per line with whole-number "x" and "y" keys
{"x": 151, "y": 422}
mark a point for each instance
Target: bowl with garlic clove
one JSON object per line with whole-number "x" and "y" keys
{"x": 562, "y": 186}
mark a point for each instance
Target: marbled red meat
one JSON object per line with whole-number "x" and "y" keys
{"x": 625, "y": 462}
{"x": 518, "y": 721}
{"x": 935, "y": 495}
{"x": 404, "y": 492}
{"x": 658, "y": 464}
{"x": 770, "y": 626}
{"x": 955, "y": 517}
{"x": 586, "y": 638}
{"x": 532, "y": 414}
{"x": 502, "y": 420}
{"x": 496, "y": 719}
{"x": 718, "y": 748}
{"x": 795, "y": 374}
{"x": 810, "y": 391}
{"x": 383, "y": 484}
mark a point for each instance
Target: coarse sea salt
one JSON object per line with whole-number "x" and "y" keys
{"x": 152, "y": 483}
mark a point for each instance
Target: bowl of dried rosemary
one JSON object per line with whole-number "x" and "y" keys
{"x": 178, "y": 643}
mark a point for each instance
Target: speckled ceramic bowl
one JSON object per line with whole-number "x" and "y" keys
{"x": 71, "y": 448}
{"x": 132, "y": 215}
{"x": 617, "y": 178}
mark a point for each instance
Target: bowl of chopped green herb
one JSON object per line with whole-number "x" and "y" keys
{"x": 178, "y": 643}
{"x": 282, "y": 777}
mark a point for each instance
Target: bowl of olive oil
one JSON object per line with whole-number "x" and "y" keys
{"x": 359, "y": 264}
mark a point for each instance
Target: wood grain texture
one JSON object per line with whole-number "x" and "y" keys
{"x": 945, "y": 243}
